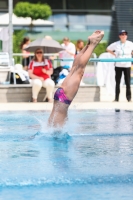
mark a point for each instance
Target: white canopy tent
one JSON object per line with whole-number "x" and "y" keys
{"x": 4, "y": 20}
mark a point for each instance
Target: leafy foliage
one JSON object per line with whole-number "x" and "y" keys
{"x": 35, "y": 11}
{"x": 17, "y": 39}
{"x": 101, "y": 48}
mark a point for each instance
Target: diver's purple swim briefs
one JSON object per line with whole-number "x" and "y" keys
{"x": 60, "y": 96}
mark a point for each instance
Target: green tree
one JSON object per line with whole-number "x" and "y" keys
{"x": 101, "y": 48}
{"x": 34, "y": 11}
{"x": 17, "y": 39}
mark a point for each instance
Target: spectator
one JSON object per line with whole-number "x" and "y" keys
{"x": 40, "y": 70}
{"x": 122, "y": 49}
{"x": 79, "y": 46}
{"x": 26, "y": 55}
{"x": 69, "y": 53}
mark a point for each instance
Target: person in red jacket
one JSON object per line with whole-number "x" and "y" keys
{"x": 40, "y": 71}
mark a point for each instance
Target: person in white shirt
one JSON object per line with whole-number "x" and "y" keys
{"x": 69, "y": 53}
{"x": 122, "y": 49}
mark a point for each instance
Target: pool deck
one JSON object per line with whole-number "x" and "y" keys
{"x": 76, "y": 106}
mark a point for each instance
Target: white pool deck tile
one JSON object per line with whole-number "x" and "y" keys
{"x": 77, "y": 106}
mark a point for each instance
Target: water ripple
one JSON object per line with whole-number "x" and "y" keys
{"x": 125, "y": 179}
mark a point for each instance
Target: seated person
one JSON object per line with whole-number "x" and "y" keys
{"x": 40, "y": 71}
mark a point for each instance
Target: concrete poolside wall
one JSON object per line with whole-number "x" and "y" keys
{"x": 23, "y": 93}
{"x": 86, "y": 94}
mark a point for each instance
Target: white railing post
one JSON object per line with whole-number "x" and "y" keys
{"x": 10, "y": 3}
{"x": 95, "y": 64}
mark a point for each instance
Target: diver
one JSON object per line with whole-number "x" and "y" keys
{"x": 68, "y": 89}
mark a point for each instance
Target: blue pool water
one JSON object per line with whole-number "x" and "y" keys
{"x": 92, "y": 159}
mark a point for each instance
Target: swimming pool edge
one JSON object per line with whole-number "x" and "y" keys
{"x": 75, "y": 106}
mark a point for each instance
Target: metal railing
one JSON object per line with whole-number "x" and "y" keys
{"x": 17, "y": 59}
{"x": 54, "y": 57}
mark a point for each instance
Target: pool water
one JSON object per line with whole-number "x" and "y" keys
{"x": 91, "y": 159}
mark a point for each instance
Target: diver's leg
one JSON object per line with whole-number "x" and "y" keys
{"x": 72, "y": 81}
{"x": 86, "y": 52}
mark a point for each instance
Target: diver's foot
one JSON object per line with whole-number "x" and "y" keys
{"x": 96, "y": 37}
